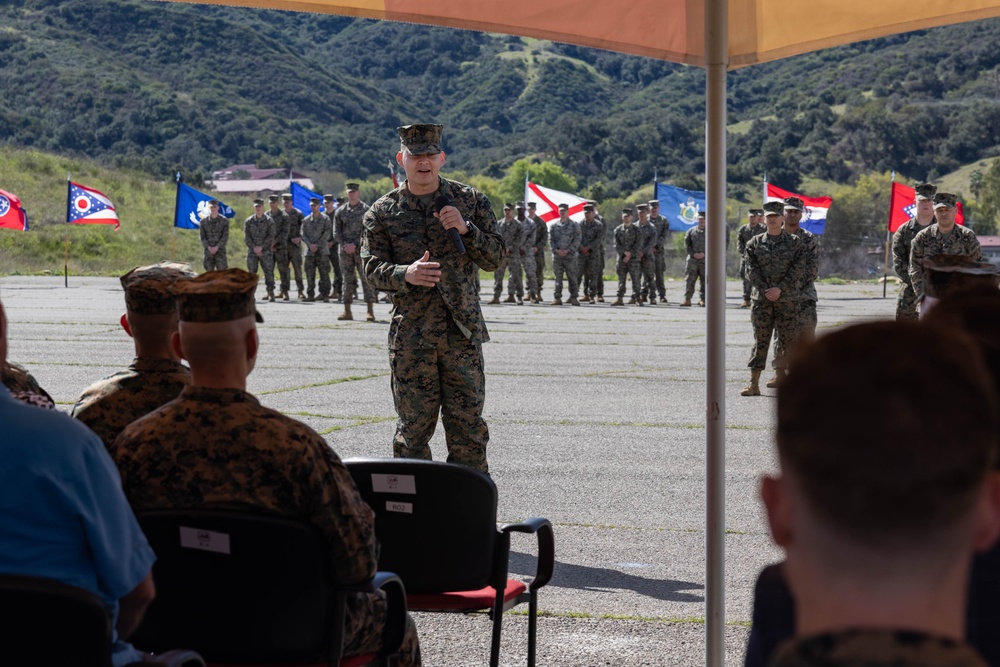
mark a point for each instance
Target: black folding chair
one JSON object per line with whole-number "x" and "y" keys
{"x": 252, "y": 589}
{"x": 437, "y": 525}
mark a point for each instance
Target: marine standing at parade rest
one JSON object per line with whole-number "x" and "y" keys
{"x": 591, "y": 259}
{"x": 513, "y": 236}
{"x": 599, "y": 291}
{"x": 258, "y": 234}
{"x": 775, "y": 263}
{"x": 317, "y": 230}
{"x": 541, "y": 240}
{"x": 281, "y": 245}
{"x": 330, "y": 204}
{"x": 755, "y": 225}
{"x": 902, "y": 242}
{"x": 216, "y": 445}
{"x": 627, "y": 242}
{"x": 944, "y": 237}
{"x": 564, "y": 237}
{"x": 663, "y": 243}
{"x": 156, "y": 375}
{"x": 410, "y": 249}
{"x": 647, "y": 257}
{"x": 348, "y": 226}
{"x": 295, "y": 218}
{"x": 214, "y": 233}
{"x": 527, "y": 252}
{"x": 694, "y": 242}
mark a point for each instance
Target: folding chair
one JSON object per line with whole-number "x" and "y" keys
{"x": 252, "y": 589}
{"x": 437, "y": 525}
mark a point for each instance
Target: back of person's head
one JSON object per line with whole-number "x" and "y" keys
{"x": 873, "y": 428}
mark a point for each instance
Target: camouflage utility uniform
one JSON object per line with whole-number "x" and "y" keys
{"x": 647, "y": 263}
{"x": 876, "y": 648}
{"x": 694, "y": 242}
{"x": 592, "y": 264}
{"x": 294, "y": 256}
{"x": 902, "y": 242}
{"x": 317, "y": 230}
{"x": 111, "y": 404}
{"x": 513, "y": 236}
{"x": 527, "y": 253}
{"x": 931, "y": 242}
{"x": 281, "y": 245}
{"x": 221, "y": 448}
{"x": 541, "y": 240}
{"x": 565, "y": 236}
{"x": 436, "y": 333}
{"x": 260, "y": 232}
{"x": 662, "y": 243}
{"x": 773, "y": 261}
{"x": 348, "y": 224}
{"x": 214, "y": 232}
{"x": 743, "y": 236}
{"x": 805, "y": 287}
{"x": 628, "y": 239}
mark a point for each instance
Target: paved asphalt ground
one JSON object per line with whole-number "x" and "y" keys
{"x": 597, "y": 422}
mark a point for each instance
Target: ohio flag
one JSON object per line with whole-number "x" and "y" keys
{"x": 87, "y": 206}
{"x": 12, "y": 216}
{"x": 547, "y": 202}
{"x": 816, "y": 208}
{"x": 903, "y": 206}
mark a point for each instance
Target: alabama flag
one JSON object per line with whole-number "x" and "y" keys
{"x": 86, "y": 206}
{"x": 903, "y": 206}
{"x": 12, "y": 216}
{"x": 816, "y": 208}
{"x": 547, "y": 202}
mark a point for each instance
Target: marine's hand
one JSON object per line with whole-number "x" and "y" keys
{"x": 424, "y": 273}
{"x": 772, "y": 293}
{"x": 451, "y": 218}
{"x": 349, "y": 248}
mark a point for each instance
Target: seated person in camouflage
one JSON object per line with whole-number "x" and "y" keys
{"x": 217, "y": 446}
{"x": 878, "y": 553}
{"x": 156, "y": 375}
{"x": 23, "y": 386}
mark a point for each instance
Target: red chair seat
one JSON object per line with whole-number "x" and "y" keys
{"x": 484, "y": 598}
{"x": 349, "y": 661}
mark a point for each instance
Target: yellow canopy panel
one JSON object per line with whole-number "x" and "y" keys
{"x": 759, "y": 30}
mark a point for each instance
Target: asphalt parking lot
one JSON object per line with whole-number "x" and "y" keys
{"x": 596, "y": 418}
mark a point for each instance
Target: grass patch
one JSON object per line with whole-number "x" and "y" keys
{"x": 352, "y": 378}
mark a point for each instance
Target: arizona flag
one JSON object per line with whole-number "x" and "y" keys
{"x": 87, "y": 206}
{"x": 903, "y": 206}
{"x": 547, "y": 202}
{"x": 817, "y": 208}
{"x": 12, "y": 216}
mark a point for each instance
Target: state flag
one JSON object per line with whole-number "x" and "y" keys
{"x": 903, "y": 206}
{"x": 679, "y": 206}
{"x": 547, "y": 202}
{"x": 816, "y": 208}
{"x": 87, "y": 206}
{"x": 12, "y": 215}
{"x": 301, "y": 197}
{"x": 192, "y": 207}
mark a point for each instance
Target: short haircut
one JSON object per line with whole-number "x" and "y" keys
{"x": 872, "y": 424}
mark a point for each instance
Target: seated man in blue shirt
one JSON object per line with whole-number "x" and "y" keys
{"x": 64, "y": 517}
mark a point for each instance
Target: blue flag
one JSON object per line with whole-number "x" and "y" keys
{"x": 301, "y": 197}
{"x": 192, "y": 206}
{"x": 679, "y": 206}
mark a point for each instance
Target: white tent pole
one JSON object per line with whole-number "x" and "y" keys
{"x": 717, "y": 60}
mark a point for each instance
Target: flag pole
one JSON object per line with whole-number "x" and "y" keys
{"x": 66, "y": 259}
{"x": 177, "y": 203}
{"x": 888, "y": 240}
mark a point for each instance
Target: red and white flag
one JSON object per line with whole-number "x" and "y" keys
{"x": 547, "y": 202}
{"x": 903, "y": 206}
{"x": 12, "y": 215}
{"x": 85, "y": 206}
{"x": 816, "y": 208}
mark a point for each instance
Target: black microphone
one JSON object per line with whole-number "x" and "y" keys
{"x": 456, "y": 238}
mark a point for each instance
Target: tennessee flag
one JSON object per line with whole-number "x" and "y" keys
{"x": 817, "y": 208}
{"x": 903, "y": 206}
{"x": 85, "y": 206}
{"x": 12, "y": 216}
{"x": 547, "y": 202}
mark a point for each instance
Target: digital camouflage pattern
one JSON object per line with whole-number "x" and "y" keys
{"x": 16, "y": 378}
{"x": 541, "y": 240}
{"x": 149, "y": 290}
{"x": 221, "y": 448}
{"x": 663, "y": 245}
{"x": 773, "y": 261}
{"x": 317, "y": 230}
{"x": 627, "y": 239}
{"x": 931, "y": 242}
{"x": 694, "y": 242}
{"x": 527, "y": 252}
{"x": 565, "y": 236}
{"x": 421, "y": 138}
{"x": 399, "y": 227}
{"x": 591, "y": 264}
{"x": 647, "y": 263}
{"x": 348, "y": 227}
{"x": 902, "y": 242}
{"x": 279, "y": 221}
{"x": 214, "y": 232}
{"x": 513, "y": 238}
{"x": 111, "y": 404}
{"x": 875, "y": 648}
{"x": 803, "y": 291}
{"x": 743, "y": 235}
{"x": 221, "y": 296}
{"x": 294, "y": 255}
{"x": 259, "y": 232}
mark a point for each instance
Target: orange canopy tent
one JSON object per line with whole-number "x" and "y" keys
{"x": 715, "y": 34}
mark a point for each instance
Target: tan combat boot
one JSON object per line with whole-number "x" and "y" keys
{"x": 773, "y": 383}
{"x": 284, "y": 295}
{"x": 600, "y": 299}
{"x": 557, "y": 302}
{"x": 618, "y": 302}
{"x": 686, "y": 303}
{"x": 652, "y": 300}
{"x": 701, "y": 302}
{"x": 495, "y": 300}
{"x": 509, "y": 299}
{"x": 302, "y": 297}
{"x": 371, "y": 312}
{"x": 346, "y": 315}
{"x": 746, "y": 303}
{"x": 573, "y": 301}
{"x": 752, "y": 389}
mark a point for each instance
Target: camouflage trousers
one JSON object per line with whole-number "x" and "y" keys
{"x": 660, "y": 269}
{"x": 216, "y": 262}
{"x": 632, "y": 268}
{"x": 540, "y": 269}
{"x": 290, "y": 254}
{"x": 448, "y": 379}
{"x": 364, "y": 627}
{"x": 906, "y": 304}
{"x": 311, "y": 264}
{"x": 591, "y": 268}
{"x": 695, "y": 271}
{"x": 530, "y": 279}
{"x": 767, "y": 318}
{"x": 352, "y": 266}
{"x": 338, "y": 277}
{"x": 647, "y": 267}
{"x": 266, "y": 261}
{"x": 565, "y": 266}
{"x": 747, "y": 288}
{"x": 804, "y": 313}
{"x": 514, "y": 286}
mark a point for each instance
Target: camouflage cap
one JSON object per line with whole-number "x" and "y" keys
{"x": 315, "y": 201}
{"x": 285, "y": 196}
{"x": 519, "y": 204}
{"x": 774, "y": 208}
{"x": 508, "y": 206}
{"x": 563, "y": 207}
{"x": 217, "y": 296}
{"x": 642, "y": 207}
{"x": 531, "y": 204}
{"x": 354, "y": 187}
{"x": 701, "y": 214}
{"x": 421, "y": 139}
{"x": 329, "y": 197}
{"x": 945, "y": 200}
{"x": 258, "y": 202}
{"x": 654, "y": 202}
{"x": 588, "y": 208}
{"x": 925, "y": 191}
{"x": 950, "y": 273}
{"x": 340, "y": 200}
{"x": 627, "y": 211}
{"x": 794, "y": 204}
{"x": 273, "y": 198}
{"x": 213, "y": 202}
{"x": 150, "y": 290}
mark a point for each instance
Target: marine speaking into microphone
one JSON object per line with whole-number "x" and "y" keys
{"x": 425, "y": 242}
